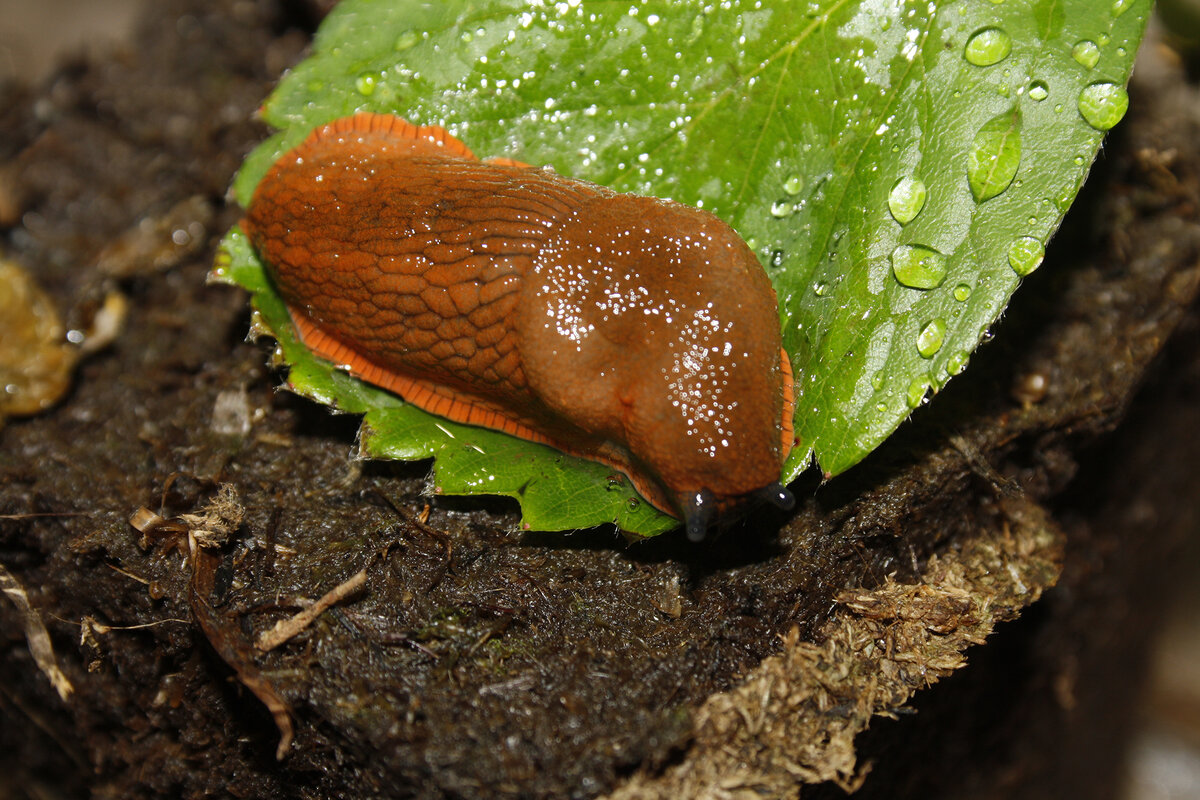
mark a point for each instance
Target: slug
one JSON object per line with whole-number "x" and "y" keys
{"x": 633, "y": 331}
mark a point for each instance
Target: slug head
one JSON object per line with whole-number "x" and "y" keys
{"x": 708, "y": 415}
{"x": 665, "y": 339}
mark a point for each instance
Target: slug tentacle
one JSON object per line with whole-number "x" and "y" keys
{"x": 777, "y": 495}
{"x": 633, "y": 331}
{"x": 697, "y": 513}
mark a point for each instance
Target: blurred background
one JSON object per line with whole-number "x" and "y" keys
{"x": 36, "y": 36}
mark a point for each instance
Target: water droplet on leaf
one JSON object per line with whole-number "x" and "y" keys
{"x": 781, "y": 209}
{"x": 906, "y": 199}
{"x": 962, "y": 292}
{"x": 1086, "y": 53}
{"x": 1039, "y": 91}
{"x": 918, "y": 267}
{"x": 1119, "y": 7}
{"x": 988, "y": 46}
{"x": 365, "y": 84}
{"x": 995, "y": 155}
{"x": 957, "y": 362}
{"x": 931, "y": 337}
{"x": 406, "y": 40}
{"x": 918, "y": 390}
{"x": 793, "y": 185}
{"x": 1102, "y": 105}
{"x": 1025, "y": 255}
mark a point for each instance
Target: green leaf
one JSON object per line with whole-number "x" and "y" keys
{"x": 898, "y": 167}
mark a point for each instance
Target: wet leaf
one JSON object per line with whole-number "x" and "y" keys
{"x": 793, "y": 122}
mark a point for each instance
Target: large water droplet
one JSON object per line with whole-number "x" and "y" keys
{"x": 793, "y": 185}
{"x": 962, "y": 292}
{"x": 1086, "y": 53}
{"x": 931, "y": 337}
{"x": 918, "y": 390}
{"x": 1103, "y": 105}
{"x": 781, "y": 209}
{"x": 1119, "y": 7}
{"x": 1039, "y": 91}
{"x": 1025, "y": 255}
{"x": 918, "y": 266}
{"x": 988, "y": 46}
{"x": 906, "y": 199}
{"x": 995, "y": 155}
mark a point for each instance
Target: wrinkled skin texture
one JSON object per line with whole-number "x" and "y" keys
{"x": 638, "y": 332}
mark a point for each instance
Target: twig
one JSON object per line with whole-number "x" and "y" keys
{"x": 285, "y": 629}
{"x": 229, "y": 643}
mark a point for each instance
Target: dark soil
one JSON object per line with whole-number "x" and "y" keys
{"x": 480, "y": 661}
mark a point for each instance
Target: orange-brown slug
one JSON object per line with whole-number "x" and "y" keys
{"x": 633, "y": 331}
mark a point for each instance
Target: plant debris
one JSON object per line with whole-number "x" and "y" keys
{"x": 35, "y": 358}
{"x": 36, "y": 635}
{"x": 285, "y": 629}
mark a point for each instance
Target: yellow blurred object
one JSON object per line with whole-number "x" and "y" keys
{"x": 35, "y": 358}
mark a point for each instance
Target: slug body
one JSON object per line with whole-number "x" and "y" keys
{"x": 633, "y": 331}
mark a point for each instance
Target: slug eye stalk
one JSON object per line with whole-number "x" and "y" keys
{"x": 777, "y": 495}
{"x": 699, "y": 507}
{"x": 697, "y": 512}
